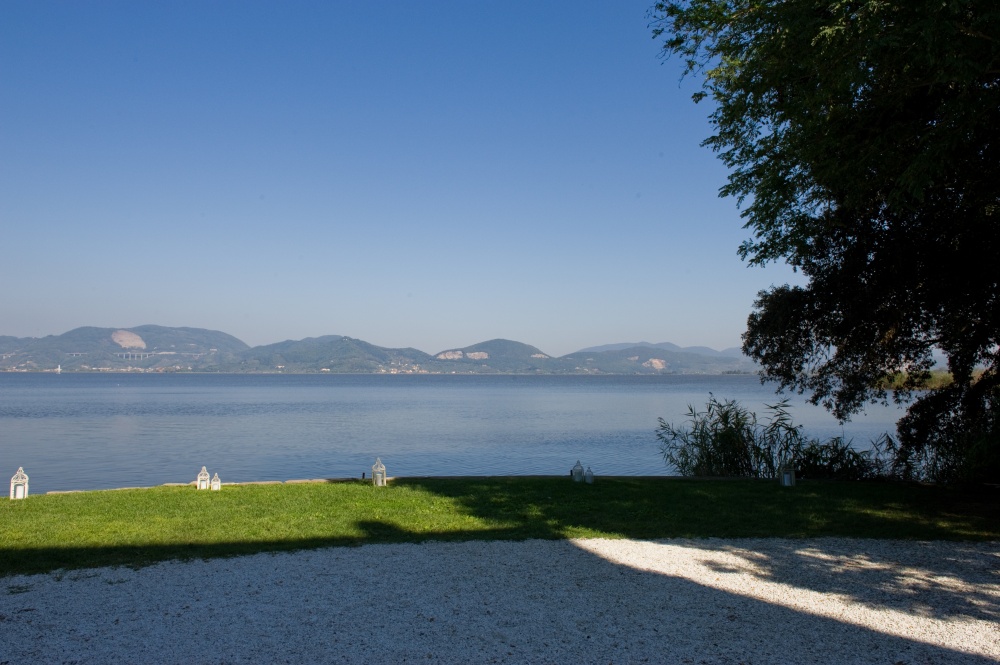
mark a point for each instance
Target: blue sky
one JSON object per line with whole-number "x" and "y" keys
{"x": 429, "y": 174}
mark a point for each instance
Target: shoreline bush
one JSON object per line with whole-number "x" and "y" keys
{"x": 728, "y": 440}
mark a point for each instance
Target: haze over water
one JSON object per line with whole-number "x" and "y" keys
{"x": 95, "y": 431}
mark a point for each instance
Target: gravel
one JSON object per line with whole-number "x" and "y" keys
{"x": 575, "y": 601}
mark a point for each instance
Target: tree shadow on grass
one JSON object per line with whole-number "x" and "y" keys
{"x": 674, "y": 507}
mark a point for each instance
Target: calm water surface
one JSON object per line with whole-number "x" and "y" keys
{"x": 92, "y": 431}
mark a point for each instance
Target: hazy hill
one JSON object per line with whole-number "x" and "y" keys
{"x": 497, "y": 355}
{"x": 197, "y": 340}
{"x": 333, "y": 353}
{"x": 145, "y": 347}
{"x": 10, "y": 344}
{"x": 657, "y": 359}
{"x": 734, "y": 351}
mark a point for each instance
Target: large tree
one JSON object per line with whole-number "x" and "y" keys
{"x": 863, "y": 141}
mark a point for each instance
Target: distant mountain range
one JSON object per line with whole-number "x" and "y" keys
{"x": 164, "y": 349}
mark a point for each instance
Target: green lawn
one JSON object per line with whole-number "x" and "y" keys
{"x": 138, "y": 527}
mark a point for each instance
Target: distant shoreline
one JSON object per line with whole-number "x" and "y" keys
{"x": 152, "y": 348}
{"x": 140, "y": 370}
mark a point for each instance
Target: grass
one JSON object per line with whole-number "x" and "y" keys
{"x": 938, "y": 378}
{"x": 144, "y": 526}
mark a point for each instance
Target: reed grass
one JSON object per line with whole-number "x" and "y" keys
{"x": 144, "y": 526}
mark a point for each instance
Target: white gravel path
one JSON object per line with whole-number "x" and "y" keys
{"x": 580, "y": 601}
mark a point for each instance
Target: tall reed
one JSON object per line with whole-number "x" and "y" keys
{"x": 727, "y": 439}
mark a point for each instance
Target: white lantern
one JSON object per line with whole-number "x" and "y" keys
{"x": 216, "y": 483}
{"x": 203, "y": 479}
{"x": 589, "y": 476}
{"x": 577, "y": 472}
{"x": 378, "y": 473}
{"x": 19, "y": 484}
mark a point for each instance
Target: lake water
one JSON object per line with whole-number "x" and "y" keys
{"x": 93, "y": 431}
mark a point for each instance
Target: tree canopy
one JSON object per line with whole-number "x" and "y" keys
{"x": 863, "y": 142}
